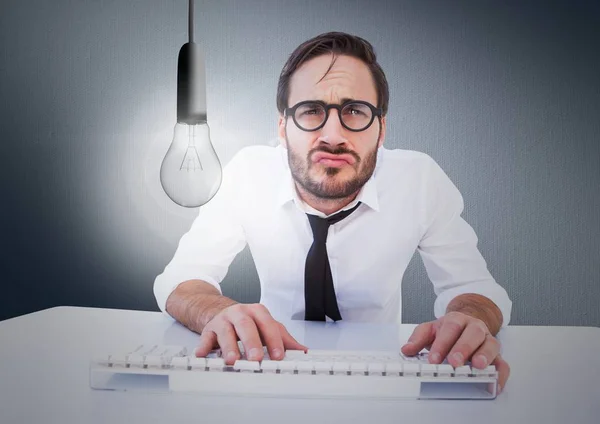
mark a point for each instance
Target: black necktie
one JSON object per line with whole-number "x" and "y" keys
{"x": 319, "y": 294}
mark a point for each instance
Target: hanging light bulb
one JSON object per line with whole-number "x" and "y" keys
{"x": 191, "y": 173}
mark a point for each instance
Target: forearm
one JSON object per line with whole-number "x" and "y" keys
{"x": 195, "y": 302}
{"x": 478, "y": 306}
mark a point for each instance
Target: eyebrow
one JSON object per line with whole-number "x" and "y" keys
{"x": 343, "y": 100}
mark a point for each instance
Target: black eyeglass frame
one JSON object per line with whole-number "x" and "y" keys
{"x": 291, "y": 111}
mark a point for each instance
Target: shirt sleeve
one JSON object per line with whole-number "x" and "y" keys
{"x": 449, "y": 250}
{"x": 215, "y": 237}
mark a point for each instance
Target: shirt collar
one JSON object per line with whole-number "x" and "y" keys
{"x": 287, "y": 189}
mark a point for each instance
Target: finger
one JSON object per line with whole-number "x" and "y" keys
{"x": 423, "y": 335}
{"x": 503, "y": 372}
{"x": 208, "y": 340}
{"x": 269, "y": 332}
{"x": 289, "y": 342}
{"x": 486, "y": 353}
{"x": 446, "y": 337}
{"x": 227, "y": 339}
{"x": 435, "y": 328}
{"x": 473, "y": 339}
{"x": 246, "y": 330}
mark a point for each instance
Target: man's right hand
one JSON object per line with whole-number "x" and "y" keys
{"x": 254, "y": 326}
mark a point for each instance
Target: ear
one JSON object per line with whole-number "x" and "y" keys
{"x": 382, "y": 132}
{"x": 281, "y": 131}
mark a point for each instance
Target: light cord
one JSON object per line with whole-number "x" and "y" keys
{"x": 191, "y": 21}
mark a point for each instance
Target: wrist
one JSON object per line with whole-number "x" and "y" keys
{"x": 213, "y": 305}
{"x": 480, "y": 307}
{"x": 194, "y": 303}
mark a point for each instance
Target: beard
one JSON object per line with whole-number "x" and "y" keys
{"x": 331, "y": 187}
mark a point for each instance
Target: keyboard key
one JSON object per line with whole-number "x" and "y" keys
{"x": 197, "y": 364}
{"x": 305, "y": 367}
{"x": 152, "y": 361}
{"x": 269, "y": 366}
{"x": 216, "y": 353}
{"x": 118, "y": 360}
{"x": 215, "y": 364}
{"x": 322, "y": 367}
{"x": 135, "y": 360}
{"x": 246, "y": 366}
{"x": 445, "y": 370}
{"x": 180, "y": 362}
{"x": 287, "y": 367}
{"x": 428, "y": 370}
{"x": 358, "y": 368}
{"x": 340, "y": 367}
{"x": 170, "y": 351}
{"x": 393, "y": 369}
{"x": 462, "y": 371}
{"x": 376, "y": 368}
{"x": 411, "y": 369}
{"x": 489, "y": 371}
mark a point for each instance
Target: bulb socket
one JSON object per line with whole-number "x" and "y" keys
{"x": 191, "y": 85}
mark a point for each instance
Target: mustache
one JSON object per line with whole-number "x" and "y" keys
{"x": 337, "y": 151}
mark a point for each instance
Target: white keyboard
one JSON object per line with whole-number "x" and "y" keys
{"x": 318, "y": 373}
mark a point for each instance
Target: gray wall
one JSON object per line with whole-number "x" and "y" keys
{"x": 504, "y": 95}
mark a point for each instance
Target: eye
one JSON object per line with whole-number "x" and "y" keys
{"x": 313, "y": 111}
{"x": 356, "y": 110}
{"x": 310, "y": 109}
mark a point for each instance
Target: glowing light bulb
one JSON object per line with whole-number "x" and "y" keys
{"x": 191, "y": 173}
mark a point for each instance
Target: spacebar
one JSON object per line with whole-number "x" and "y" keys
{"x": 295, "y": 385}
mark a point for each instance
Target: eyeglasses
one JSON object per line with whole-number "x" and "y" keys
{"x": 311, "y": 115}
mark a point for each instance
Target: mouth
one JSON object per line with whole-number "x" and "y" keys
{"x": 333, "y": 161}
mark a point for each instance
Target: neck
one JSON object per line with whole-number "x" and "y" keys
{"x": 326, "y": 206}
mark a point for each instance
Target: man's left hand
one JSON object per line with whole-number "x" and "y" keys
{"x": 460, "y": 338}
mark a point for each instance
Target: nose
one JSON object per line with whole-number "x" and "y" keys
{"x": 333, "y": 132}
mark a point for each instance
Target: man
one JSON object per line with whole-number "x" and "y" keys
{"x": 316, "y": 264}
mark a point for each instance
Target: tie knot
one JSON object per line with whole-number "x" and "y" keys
{"x": 320, "y": 226}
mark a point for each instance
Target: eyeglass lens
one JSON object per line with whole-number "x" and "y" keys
{"x": 356, "y": 116}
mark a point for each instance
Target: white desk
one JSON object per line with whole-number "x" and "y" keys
{"x": 44, "y": 360}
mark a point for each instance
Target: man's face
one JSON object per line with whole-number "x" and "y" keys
{"x": 332, "y": 162}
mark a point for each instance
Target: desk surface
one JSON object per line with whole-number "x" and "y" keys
{"x": 44, "y": 363}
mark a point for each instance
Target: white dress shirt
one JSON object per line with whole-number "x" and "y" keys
{"x": 409, "y": 203}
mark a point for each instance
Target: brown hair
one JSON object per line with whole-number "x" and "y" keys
{"x": 336, "y": 43}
